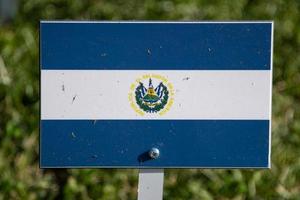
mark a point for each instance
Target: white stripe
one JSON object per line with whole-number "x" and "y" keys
{"x": 205, "y": 94}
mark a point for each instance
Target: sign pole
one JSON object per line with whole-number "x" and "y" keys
{"x": 150, "y": 184}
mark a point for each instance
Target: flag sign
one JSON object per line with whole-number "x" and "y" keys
{"x": 155, "y": 94}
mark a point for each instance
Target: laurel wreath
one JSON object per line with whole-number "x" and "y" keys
{"x": 145, "y": 107}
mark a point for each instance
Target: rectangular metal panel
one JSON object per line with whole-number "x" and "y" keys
{"x": 199, "y": 92}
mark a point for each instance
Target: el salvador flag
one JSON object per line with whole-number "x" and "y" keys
{"x": 211, "y": 110}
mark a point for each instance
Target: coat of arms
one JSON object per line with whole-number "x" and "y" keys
{"x": 151, "y": 94}
{"x": 151, "y": 99}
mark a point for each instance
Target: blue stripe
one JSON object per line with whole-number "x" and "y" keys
{"x": 183, "y": 143}
{"x": 155, "y": 46}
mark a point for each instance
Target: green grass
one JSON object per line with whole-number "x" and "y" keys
{"x": 20, "y": 176}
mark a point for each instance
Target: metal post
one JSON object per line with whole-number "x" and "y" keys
{"x": 150, "y": 184}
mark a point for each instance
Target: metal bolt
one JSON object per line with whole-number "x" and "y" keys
{"x": 154, "y": 153}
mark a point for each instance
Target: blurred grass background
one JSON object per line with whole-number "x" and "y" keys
{"x": 20, "y": 176}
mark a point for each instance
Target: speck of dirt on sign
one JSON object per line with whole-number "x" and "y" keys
{"x": 74, "y": 97}
{"x": 95, "y": 121}
{"x": 94, "y": 156}
{"x": 186, "y": 78}
{"x": 103, "y": 54}
{"x": 149, "y": 51}
{"x": 63, "y": 87}
{"x": 73, "y": 135}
